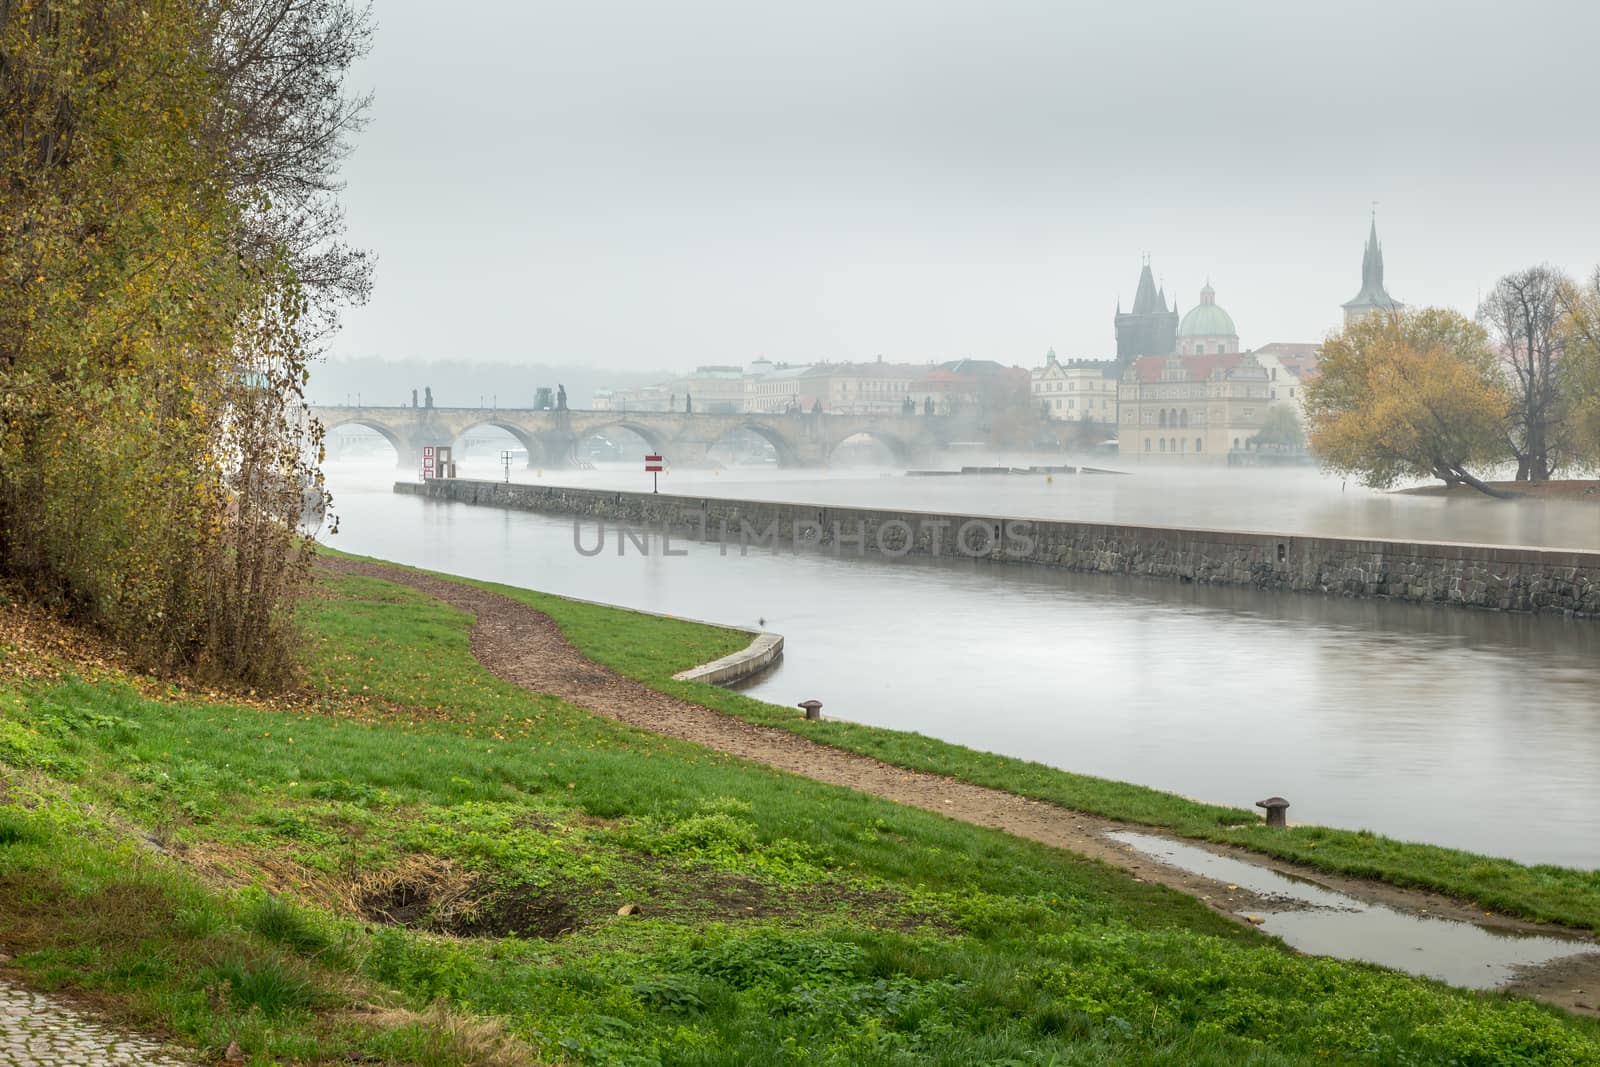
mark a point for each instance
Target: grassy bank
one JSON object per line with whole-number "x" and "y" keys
{"x": 419, "y": 859}
{"x": 652, "y": 650}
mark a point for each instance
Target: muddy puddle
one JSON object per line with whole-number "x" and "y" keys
{"x": 1321, "y": 922}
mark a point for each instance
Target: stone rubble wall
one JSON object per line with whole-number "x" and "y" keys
{"x": 1492, "y": 577}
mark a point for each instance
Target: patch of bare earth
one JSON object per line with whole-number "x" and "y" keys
{"x": 526, "y": 647}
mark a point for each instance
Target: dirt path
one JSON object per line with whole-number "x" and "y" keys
{"x": 527, "y": 648}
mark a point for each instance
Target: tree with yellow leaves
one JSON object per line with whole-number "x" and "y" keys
{"x": 169, "y": 250}
{"x": 1417, "y": 394}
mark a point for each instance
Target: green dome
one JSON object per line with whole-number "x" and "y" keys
{"x": 1206, "y": 319}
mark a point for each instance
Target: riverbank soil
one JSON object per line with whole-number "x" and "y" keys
{"x": 527, "y": 648}
{"x": 417, "y": 860}
{"x": 1580, "y": 489}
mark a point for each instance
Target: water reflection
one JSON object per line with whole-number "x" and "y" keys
{"x": 1324, "y": 923}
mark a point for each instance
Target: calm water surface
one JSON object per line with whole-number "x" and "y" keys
{"x": 1469, "y": 729}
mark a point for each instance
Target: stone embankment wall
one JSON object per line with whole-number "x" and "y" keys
{"x": 1480, "y": 576}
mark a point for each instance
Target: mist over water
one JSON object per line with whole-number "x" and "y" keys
{"x": 1365, "y": 714}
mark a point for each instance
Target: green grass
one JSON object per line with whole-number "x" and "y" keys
{"x": 651, "y": 650}
{"x": 782, "y": 920}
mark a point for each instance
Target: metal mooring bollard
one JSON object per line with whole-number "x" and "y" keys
{"x": 1276, "y": 806}
{"x": 813, "y": 708}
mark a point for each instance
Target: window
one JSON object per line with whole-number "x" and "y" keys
{"x": 1147, "y": 444}
{"x": 1199, "y": 445}
{"x": 1163, "y": 444}
{"x": 1163, "y": 419}
{"x": 1072, "y": 402}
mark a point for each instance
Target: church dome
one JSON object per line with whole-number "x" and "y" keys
{"x": 1206, "y": 319}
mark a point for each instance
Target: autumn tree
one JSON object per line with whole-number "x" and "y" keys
{"x": 1416, "y": 394}
{"x": 162, "y": 177}
{"x": 1524, "y": 312}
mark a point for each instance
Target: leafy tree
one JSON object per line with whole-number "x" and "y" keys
{"x": 155, "y": 298}
{"x": 1417, "y": 394}
{"x": 1280, "y": 428}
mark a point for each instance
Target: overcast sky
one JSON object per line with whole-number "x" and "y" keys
{"x": 649, "y": 185}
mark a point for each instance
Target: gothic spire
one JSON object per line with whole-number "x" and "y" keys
{"x": 1372, "y": 295}
{"x": 1147, "y": 300}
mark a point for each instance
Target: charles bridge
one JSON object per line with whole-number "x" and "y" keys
{"x": 552, "y": 437}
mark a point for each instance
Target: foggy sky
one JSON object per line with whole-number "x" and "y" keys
{"x": 645, "y": 185}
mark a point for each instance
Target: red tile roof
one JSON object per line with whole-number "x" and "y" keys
{"x": 1198, "y": 368}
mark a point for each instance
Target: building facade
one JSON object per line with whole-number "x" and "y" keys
{"x": 1079, "y": 390}
{"x": 1191, "y": 409}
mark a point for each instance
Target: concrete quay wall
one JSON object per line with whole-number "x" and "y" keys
{"x": 1492, "y": 577}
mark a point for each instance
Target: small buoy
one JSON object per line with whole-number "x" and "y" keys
{"x": 1049, "y": 479}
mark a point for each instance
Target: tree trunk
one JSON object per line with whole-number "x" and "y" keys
{"x": 1481, "y": 486}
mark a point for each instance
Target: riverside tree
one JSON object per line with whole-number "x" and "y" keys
{"x": 1580, "y": 370}
{"x": 1416, "y": 394}
{"x": 1524, "y": 311}
{"x": 166, "y": 235}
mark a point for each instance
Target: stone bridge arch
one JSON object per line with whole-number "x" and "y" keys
{"x": 901, "y": 450}
{"x": 406, "y": 452}
{"x": 532, "y": 442}
{"x": 655, "y": 439}
{"x": 788, "y": 454}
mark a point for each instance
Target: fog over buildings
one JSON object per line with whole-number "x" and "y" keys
{"x": 643, "y": 186}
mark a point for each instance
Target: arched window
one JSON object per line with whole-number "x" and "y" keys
{"x": 1235, "y": 442}
{"x": 1147, "y": 444}
{"x": 1183, "y": 417}
{"x": 1199, "y": 445}
{"x": 1163, "y": 444}
{"x": 1163, "y": 418}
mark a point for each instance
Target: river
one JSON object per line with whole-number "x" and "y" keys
{"x": 1461, "y": 728}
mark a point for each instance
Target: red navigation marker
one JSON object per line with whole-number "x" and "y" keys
{"x": 653, "y": 467}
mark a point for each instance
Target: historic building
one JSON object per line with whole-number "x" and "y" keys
{"x": 1191, "y": 408}
{"x": 1079, "y": 390}
{"x": 1150, "y": 329}
{"x": 1289, "y": 367}
{"x": 1373, "y": 297}
{"x": 1206, "y": 328}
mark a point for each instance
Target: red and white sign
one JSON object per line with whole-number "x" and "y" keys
{"x": 652, "y": 464}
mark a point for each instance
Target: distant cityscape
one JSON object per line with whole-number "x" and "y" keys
{"x": 1178, "y": 387}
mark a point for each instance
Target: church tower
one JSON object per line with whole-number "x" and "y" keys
{"x": 1373, "y": 297}
{"x": 1149, "y": 329}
